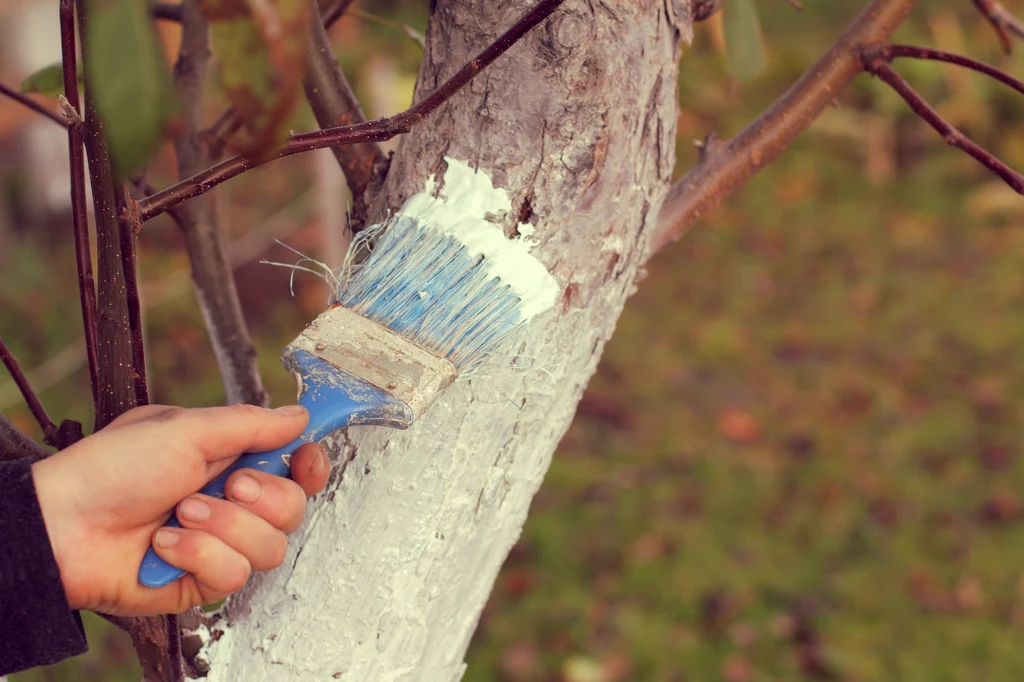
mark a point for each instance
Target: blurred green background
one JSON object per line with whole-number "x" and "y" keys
{"x": 800, "y": 456}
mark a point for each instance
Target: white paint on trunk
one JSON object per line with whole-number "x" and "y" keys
{"x": 394, "y": 563}
{"x": 461, "y": 211}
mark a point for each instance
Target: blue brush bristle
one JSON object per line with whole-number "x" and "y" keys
{"x": 426, "y": 286}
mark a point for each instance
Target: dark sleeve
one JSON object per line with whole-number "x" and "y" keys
{"x": 37, "y": 627}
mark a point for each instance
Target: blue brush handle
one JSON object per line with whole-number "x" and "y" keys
{"x": 335, "y": 400}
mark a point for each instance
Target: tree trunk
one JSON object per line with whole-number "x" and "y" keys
{"x": 395, "y": 561}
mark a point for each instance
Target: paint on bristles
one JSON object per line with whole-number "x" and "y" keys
{"x": 444, "y": 276}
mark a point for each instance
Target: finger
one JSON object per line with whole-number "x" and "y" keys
{"x": 278, "y": 501}
{"x": 224, "y": 432}
{"x": 263, "y": 545}
{"x": 310, "y": 468}
{"x": 217, "y": 569}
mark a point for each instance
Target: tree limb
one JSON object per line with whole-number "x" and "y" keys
{"x": 16, "y": 445}
{"x": 31, "y": 399}
{"x": 216, "y": 136}
{"x": 128, "y": 226}
{"x": 79, "y": 220}
{"x": 890, "y": 52}
{"x": 211, "y": 273}
{"x": 35, "y": 106}
{"x": 1003, "y": 22}
{"x": 165, "y": 10}
{"x": 378, "y": 130}
{"x": 726, "y": 165}
{"x": 117, "y": 389}
{"x": 115, "y": 393}
{"x": 876, "y": 62}
{"x": 334, "y": 12}
{"x": 334, "y": 104}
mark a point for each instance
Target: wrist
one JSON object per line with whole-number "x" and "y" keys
{"x": 59, "y": 521}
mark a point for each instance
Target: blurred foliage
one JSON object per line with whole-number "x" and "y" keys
{"x": 129, "y": 80}
{"x": 744, "y": 43}
{"x": 261, "y": 52}
{"x": 798, "y": 458}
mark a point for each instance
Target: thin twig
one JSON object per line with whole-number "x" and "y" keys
{"x": 726, "y": 165}
{"x": 128, "y": 225}
{"x": 165, "y": 10}
{"x": 143, "y": 189}
{"x": 876, "y": 64}
{"x": 31, "y": 399}
{"x": 378, "y": 130}
{"x": 1003, "y": 22}
{"x": 336, "y": 11}
{"x": 334, "y": 104}
{"x": 35, "y": 106}
{"x": 891, "y": 52}
{"x": 199, "y": 221}
{"x": 79, "y": 221}
{"x": 216, "y": 136}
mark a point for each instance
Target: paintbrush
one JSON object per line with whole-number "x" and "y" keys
{"x": 439, "y": 293}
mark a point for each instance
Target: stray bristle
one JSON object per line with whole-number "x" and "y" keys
{"x": 425, "y": 285}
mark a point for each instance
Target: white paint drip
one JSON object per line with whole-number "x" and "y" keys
{"x": 460, "y": 211}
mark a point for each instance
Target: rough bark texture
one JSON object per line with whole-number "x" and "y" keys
{"x": 388, "y": 576}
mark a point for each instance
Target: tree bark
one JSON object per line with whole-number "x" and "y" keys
{"x": 212, "y": 278}
{"x": 387, "y": 578}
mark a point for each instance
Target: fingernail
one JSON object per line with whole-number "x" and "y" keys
{"x": 291, "y": 410}
{"x": 166, "y": 538}
{"x": 245, "y": 488}
{"x": 193, "y": 509}
{"x": 319, "y": 463}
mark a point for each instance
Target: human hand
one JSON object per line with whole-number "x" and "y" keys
{"x": 103, "y": 498}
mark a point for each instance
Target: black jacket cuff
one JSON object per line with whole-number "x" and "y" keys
{"x": 37, "y": 626}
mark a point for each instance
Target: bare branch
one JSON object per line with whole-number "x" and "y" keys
{"x": 1003, "y": 22}
{"x": 875, "y": 62}
{"x": 31, "y": 399}
{"x": 128, "y": 226}
{"x": 165, "y": 10}
{"x": 334, "y": 104}
{"x": 380, "y": 129}
{"x": 199, "y": 221}
{"x": 336, "y": 11}
{"x": 891, "y": 52}
{"x": 35, "y": 106}
{"x": 726, "y": 165}
{"x": 79, "y": 221}
{"x": 216, "y": 136}
{"x": 16, "y": 445}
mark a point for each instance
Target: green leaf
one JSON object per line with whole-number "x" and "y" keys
{"x": 48, "y": 81}
{"x": 744, "y": 44}
{"x": 128, "y": 81}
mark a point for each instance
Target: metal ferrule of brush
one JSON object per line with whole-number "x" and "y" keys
{"x": 373, "y": 353}
{"x": 350, "y": 371}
